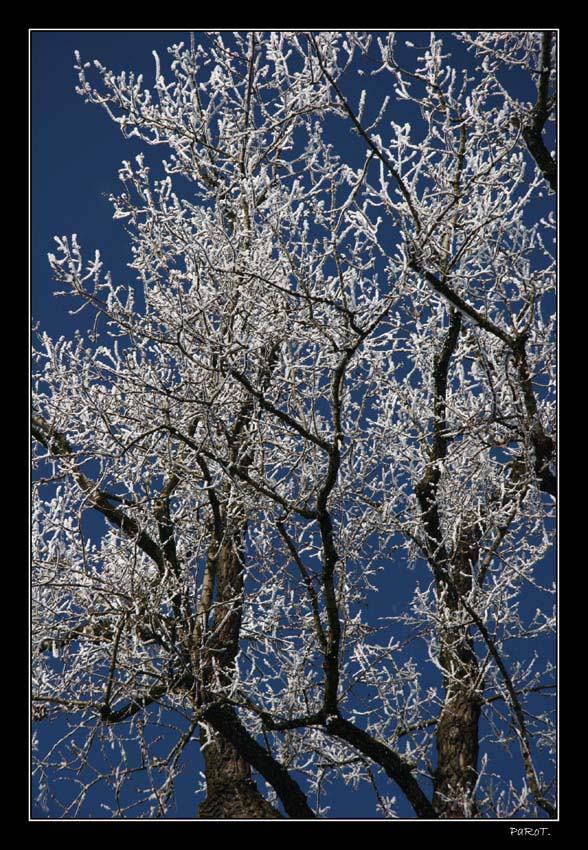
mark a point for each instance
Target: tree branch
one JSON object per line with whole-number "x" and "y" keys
{"x": 227, "y": 724}
{"x": 542, "y": 443}
{"x": 532, "y": 131}
{"x": 307, "y": 583}
{"x": 426, "y": 488}
{"x": 133, "y": 706}
{"x": 517, "y": 711}
{"x": 280, "y": 414}
{"x": 58, "y": 444}
{"x": 457, "y": 301}
{"x": 397, "y": 769}
{"x": 365, "y": 136}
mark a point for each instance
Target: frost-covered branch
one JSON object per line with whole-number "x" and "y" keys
{"x": 318, "y": 414}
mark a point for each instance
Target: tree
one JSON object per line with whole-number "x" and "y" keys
{"x": 328, "y": 391}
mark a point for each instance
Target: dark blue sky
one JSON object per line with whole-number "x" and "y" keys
{"x": 75, "y": 155}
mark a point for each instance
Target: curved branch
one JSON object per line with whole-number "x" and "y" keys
{"x": 517, "y": 711}
{"x": 543, "y": 444}
{"x": 133, "y": 706}
{"x": 307, "y": 583}
{"x": 227, "y": 724}
{"x": 533, "y": 130}
{"x": 280, "y": 414}
{"x": 56, "y": 442}
{"x": 457, "y": 301}
{"x": 365, "y": 136}
{"x": 396, "y": 768}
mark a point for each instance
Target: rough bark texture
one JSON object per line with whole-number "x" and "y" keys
{"x": 226, "y": 723}
{"x": 532, "y": 130}
{"x": 457, "y": 750}
{"x": 457, "y": 731}
{"x": 230, "y": 789}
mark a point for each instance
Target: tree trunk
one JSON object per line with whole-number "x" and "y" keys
{"x": 457, "y": 730}
{"x": 230, "y": 789}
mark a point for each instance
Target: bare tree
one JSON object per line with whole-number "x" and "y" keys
{"x": 331, "y": 381}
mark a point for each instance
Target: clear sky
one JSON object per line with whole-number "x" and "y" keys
{"x": 75, "y": 155}
{"x": 76, "y": 152}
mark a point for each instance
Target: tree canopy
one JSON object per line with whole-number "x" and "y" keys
{"x": 294, "y": 479}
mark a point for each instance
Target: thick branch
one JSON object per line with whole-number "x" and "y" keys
{"x": 457, "y": 729}
{"x": 541, "y": 155}
{"x": 280, "y": 414}
{"x": 227, "y": 724}
{"x": 165, "y": 527}
{"x": 133, "y": 706}
{"x": 330, "y": 556}
{"x": 532, "y": 131}
{"x": 457, "y": 301}
{"x": 238, "y": 470}
{"x": 517, "y": 711}
{"x": 397, "y": 769}
{"x": 542, "y": 443}
{"x": 426, "y": 488}
{"x": 58, "y": 444}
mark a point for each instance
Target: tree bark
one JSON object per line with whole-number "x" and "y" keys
{"x": 230, "y": 789}
{"x": 532, "y": 129}
{"x": 457, "y": 730}
{"x": 457, "y": 740}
